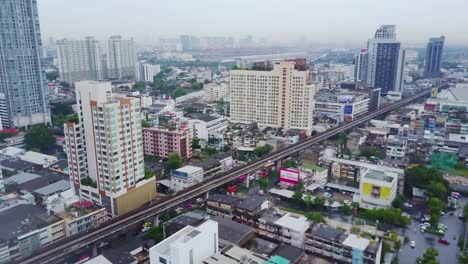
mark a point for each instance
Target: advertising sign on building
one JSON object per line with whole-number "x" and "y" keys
{"x": 348, "y": 110}
{"x": 289, "y": 176}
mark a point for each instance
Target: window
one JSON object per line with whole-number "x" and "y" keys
{"x": 162, "y": 260}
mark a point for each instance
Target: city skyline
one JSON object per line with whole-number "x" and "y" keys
{"x": 348, "y": 28}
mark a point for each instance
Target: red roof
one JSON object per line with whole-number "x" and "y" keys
{"x": 10, "y": 131}
{"x": 83, "y": 204}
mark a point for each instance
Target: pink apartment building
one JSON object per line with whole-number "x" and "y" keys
{"x": 160, "y": 142}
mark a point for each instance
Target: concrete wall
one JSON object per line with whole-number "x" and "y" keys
{"x": 137, "y": 197}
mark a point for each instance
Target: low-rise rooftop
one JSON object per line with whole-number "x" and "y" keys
{"x": 224, "y": 199}
{"x": 53, "y": 188}
{"x": 233, "y": 232}
{"x": 251, "y": 203}
{"x": 378, "y": 175}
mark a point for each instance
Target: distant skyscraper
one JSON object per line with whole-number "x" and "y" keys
{"x": 79, "y": 60}
{"x": 433, "y": 59}
{"x": 105, "y": 149}
{"x": 282, "y": 97}
{"x": 385, "y": 60}
{"x": 360, "y": 67}
{"x": 121, "y": 58}
{"x": 190, "y": 43}
{"x": 145, "y": 72}
{"x": 22, "y": 76}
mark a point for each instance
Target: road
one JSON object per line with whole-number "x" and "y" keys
{"x": 72, "y": 243}
{"x": 447, "y": 254}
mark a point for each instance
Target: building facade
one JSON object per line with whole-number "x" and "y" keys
{"x": 433, "y": 60}
{"x": 185, "y": 177}
{"x": 377, "y": 189}
{"x": 341, "y": 105}
{"x": 105, "y": 149}
{"x": 146, "y": 72}
{"x": 4, "y": 115}
{"x": 79, "y": 60}
{"x": 121, "y": 58}
{"x": 22, "y": 76}
{"x": 160, "y": 142}
{"x": 280, "y": 98}
{"x": 385, "y": 60}
{"x": 189, "y": 245}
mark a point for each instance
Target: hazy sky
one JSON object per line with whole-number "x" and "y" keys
{"x": 346, "y": 22}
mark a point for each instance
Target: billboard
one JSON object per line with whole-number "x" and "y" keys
{"x": 348, "y": 110}
{"x": 289, "y": 176}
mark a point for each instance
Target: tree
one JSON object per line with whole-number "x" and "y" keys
{"x": 139, "y": 86}
{"x": 429, "y": 257}
{"x": 299, "y": 192}
{"x": 436, "y": 189}
{"x": 39, "y": 137}
{"x": 346, "y": 209}
{"x": 145, "y": 124}
{"x": 398, "y": 201}
{"x": 319, "y": 202}
{"x": 347, "y": 152}
{"x": 174, "y": 161}
{"x": 52, "y": 76}
{"x": 314, "y": 132}
{"x": 156, "y": 233}
{"x": 308, "y": 201}
{"x": 342, "y": 140}
{"x": 179, "y": 91}
{"x": 196, "y": 143}
{"x": 435, "y": 206}
{"x": 263, "y": 183}
{"x": 290, "y": 163}
{"x": 316, "y": 217}
{"x": 260, "y": 151}
{"x": 148, "y": 174}
{"x": 421, "y": 177}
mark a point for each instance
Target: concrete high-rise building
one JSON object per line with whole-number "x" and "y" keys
{"x": 145, "y": 72}
{"x": 4, "y": 115}
{"x": 280, "y": 98}
{"x": 121, "y": 58}
{"x": 190, "y": 43}
{"x": 22, "y": 76}
{"x": 360, "y": 66}
{"x": 105, "y": 149}
{"x": 79, "y": 60}
{"x": 434, "y": 50}
{"x": 385, "y": 60}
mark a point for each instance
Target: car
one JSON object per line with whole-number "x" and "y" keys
{"x": 408, "y": 205}
{"x": 442, "y": 213}
{"x": 441, "y": 232}
{"x": 200, "y": 200}
{"x": 189, "y": 205}
{"x": 405, "y": 214}
{"x": 426, "y": 225}
{"x": 327, "y": 195}
{"x": 145, "y": 228}
{"x": 347, "y": 202}
{"x": 443, "y": 241}
{"x": 147, "y": 224}
{"x": 413, "y": 244}
{"x": 179, "y": 209}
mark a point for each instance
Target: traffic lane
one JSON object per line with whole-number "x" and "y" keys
{"x": 119, "y": 251}
{"x": 455, "y": 229}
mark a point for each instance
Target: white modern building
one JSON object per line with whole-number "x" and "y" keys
{"x": 280, "y": 98}
{"x": 377, "y": 189}
{"x": 341, "y": 104}
{"x": 189, "y": 245}
{"x": 4, "y": 115}
{"x": 215, "y": 92}
{"x": 79, "y": 60}
{"x": 145, "y": 72}
{"x": 206, "y": 126}
{"x": 185, "y": 177}
{"x": 105, "y": 151}
{"x": 121, "y": 58}
{"x": 293, "y": 229}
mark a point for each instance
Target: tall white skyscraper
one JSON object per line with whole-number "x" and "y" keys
{"x": 79, "y": 60}
{"x": 22, "y": 76}
{"x": 121, "y": 58}
{"x": 145, "y": 72}
{"x": 385, "y": 60}
{"x": 282, "y": 97}
{"x": 105, "y": 150}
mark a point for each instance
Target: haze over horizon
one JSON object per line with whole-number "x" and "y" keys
{"x": 339, "y": 22}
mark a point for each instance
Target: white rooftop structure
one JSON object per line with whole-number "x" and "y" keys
{"x": 282, "y": 192}
{"x": 297, "y": 222}
{"x": 369, "y": 165}
{"x": 12, "y": 151}
{"x": 39, "y": 158}
{"x": 356, "y": 242}
{"x": 98, "y": 260}
{"x": 53, "y": 188}
{"x": 189, "y": 169}
{"x": 21, "y": 178}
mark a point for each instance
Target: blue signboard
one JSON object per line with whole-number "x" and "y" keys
{"x": 348, "y": 110}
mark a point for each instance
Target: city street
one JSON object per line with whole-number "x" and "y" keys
{"x": 447, "y": 254}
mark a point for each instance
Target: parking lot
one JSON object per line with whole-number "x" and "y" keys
{"x": 447, "y": 254}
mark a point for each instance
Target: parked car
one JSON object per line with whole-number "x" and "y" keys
{"x": 443, "y": 241}
{"x": 200, "y": 200}
{"x": 408, "y": 205}
{"x": 145, "y": 228}
{"x": 327, "y": 195}
{"x": 413, "y": 244}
